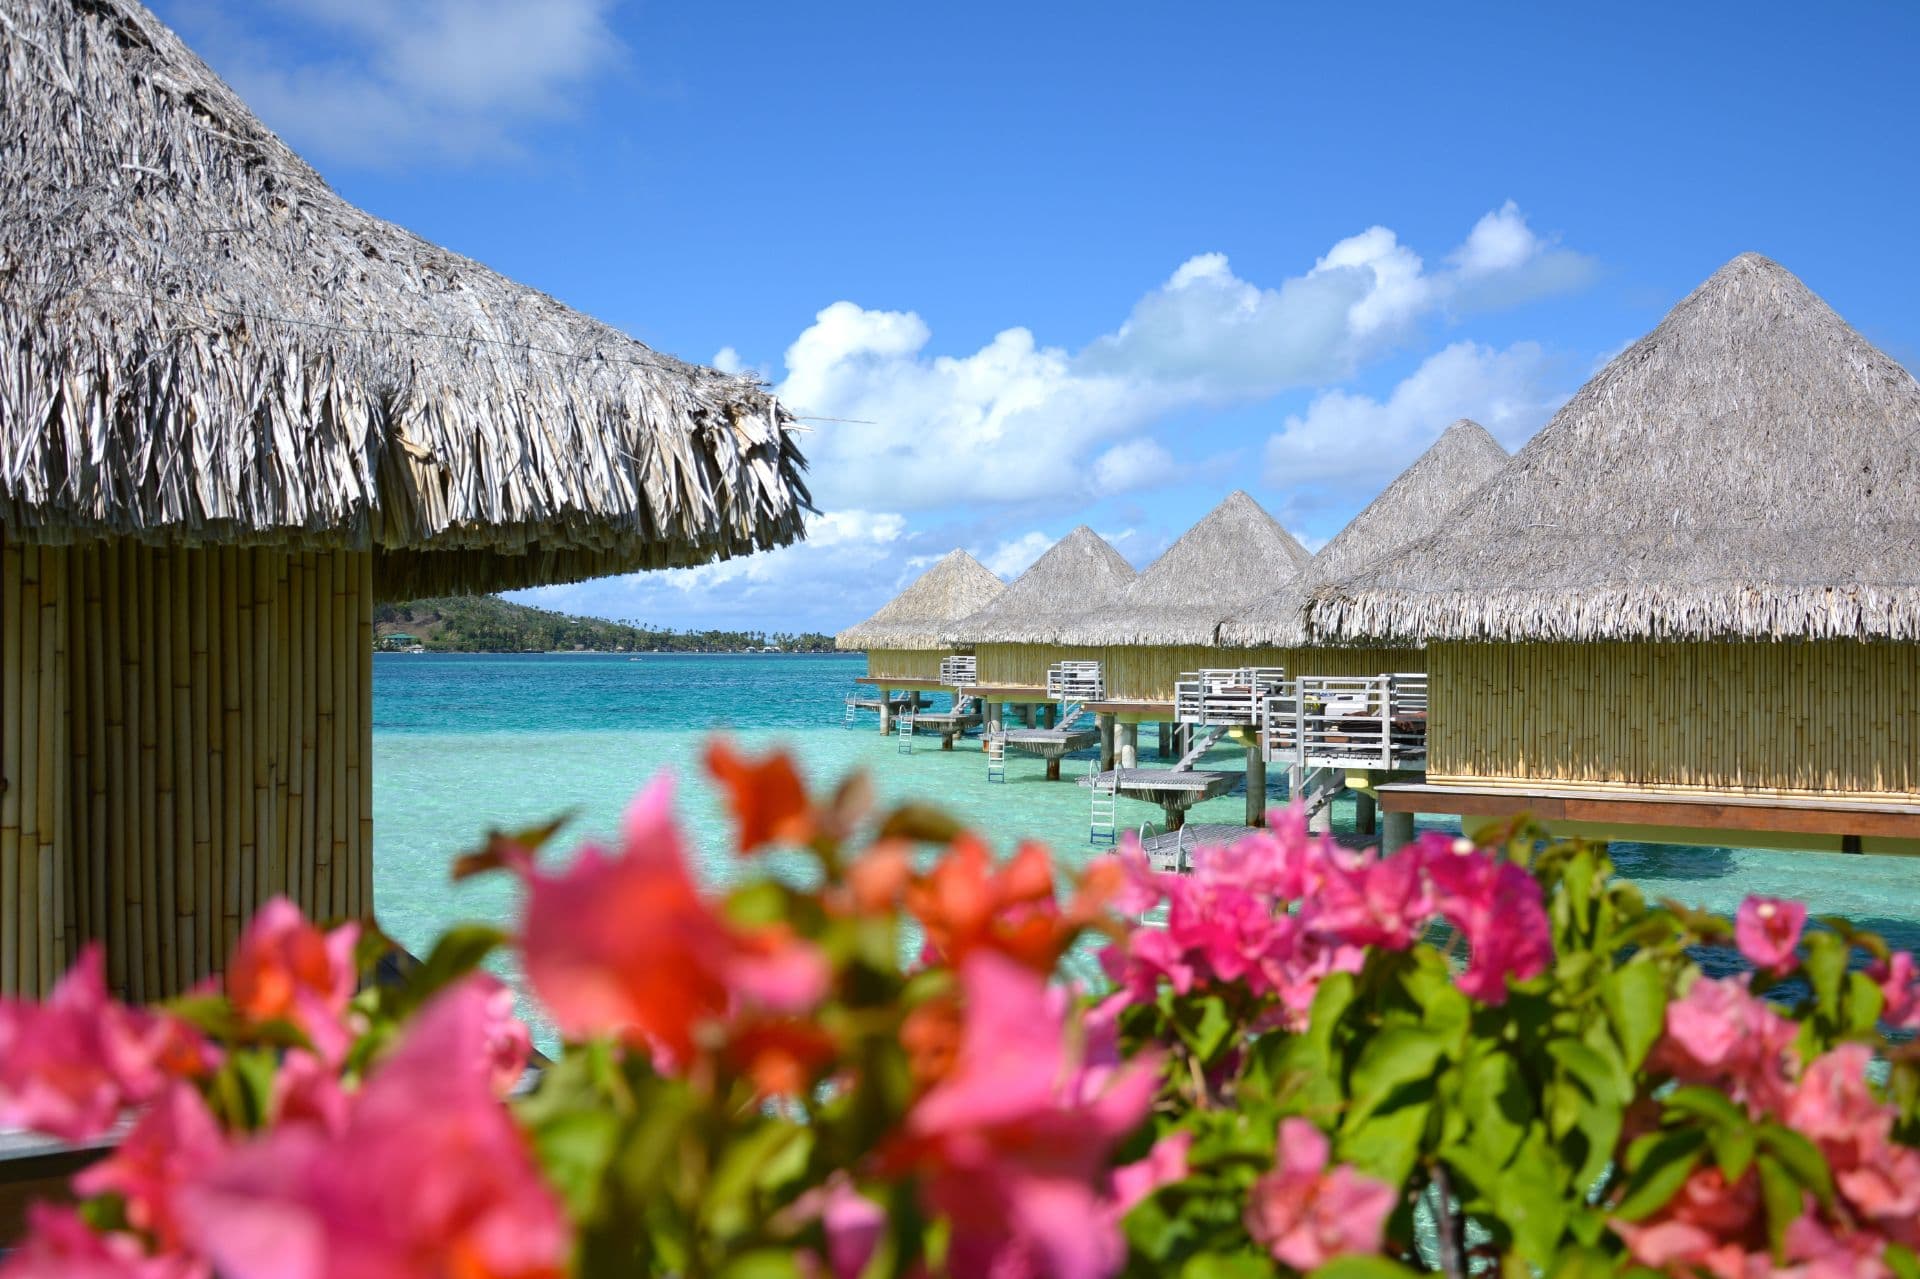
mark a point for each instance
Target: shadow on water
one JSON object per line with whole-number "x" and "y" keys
{"x": 1672, "y": 861}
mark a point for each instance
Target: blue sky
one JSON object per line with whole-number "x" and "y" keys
{"x": 1103, "y": 263}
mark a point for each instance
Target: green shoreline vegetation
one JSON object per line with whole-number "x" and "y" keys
{"x": 488, "y": 624}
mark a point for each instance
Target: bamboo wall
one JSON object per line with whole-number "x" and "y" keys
{"x": 904, "y": 663}
{"x": 1139, "y": 673}
{"x": 1025, "y": 665}
{"x": 184, "y": 733}
{"x": 1817, "y": 717}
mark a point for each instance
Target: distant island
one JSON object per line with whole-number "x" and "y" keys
{"x": 488, "y": 624}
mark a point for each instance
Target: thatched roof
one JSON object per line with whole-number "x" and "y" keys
{"x": 1078, "y": 573}
{"x": 954, "y": 587}
{"x": 1748, "y": 470}
{"x": 200, "y": 342}
{"x": 1460, "y": 461}
{"x": 1230, "y": 558}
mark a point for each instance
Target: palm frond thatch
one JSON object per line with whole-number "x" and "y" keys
{"x": 200, "y": 342}
{"x": 1078, "y": 573}
{"x": 1748, "y": 470}
{"x": 1419, "y": 499}
{"x": 1232, "y": 557}
{"x": 954, "y": 587}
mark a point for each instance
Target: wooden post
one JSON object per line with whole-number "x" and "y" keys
{"x": 1164, "y": 740}
{"x": 12, "y": 758}
{"x": 1052, "y": 713}
{"x": 1129, "y": 745}
{"x": 1363, "y": 812}
{"x": 1398, "y": 833}
{"x": 1256, "y": 785}
{"x": 1176, "y": 815}
{"x": 1053, "y": 768}
{"x": 1107, "y": 735}
{"x": 1322, "y": 820}
{"x": 886, "y": 711}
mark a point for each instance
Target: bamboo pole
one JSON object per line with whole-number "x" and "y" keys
{"x": 246, "y": 780}
{"x": 346, "y": 779}
{"x": 122, "y": 911}
{"x": 12, "y": 760}
{"x": 168, "y": 835}
{"x": 301, "y": 841}
{"x": 321, "y": 674}
{"x": 32, "y": 761}
{"x": 203, "y": 764}
{"x": 265, "y": 708}
{"x": 286, "y": 723}
{"x": 144, "y": 652}
{"x": 363, "y": 697}
{"x": 52, "y": 748}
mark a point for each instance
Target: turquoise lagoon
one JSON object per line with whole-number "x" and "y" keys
{"x": 465, "y": 742}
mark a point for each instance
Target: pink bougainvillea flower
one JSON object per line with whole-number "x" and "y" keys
{"x": 1898, "y": 989}
{"x": 1500, "y": 910}
{"x": 1373, "y": 901}
{"x": 68, "y": 1066}
{"x": 429, "y": 1177}
{"x": 625, "y": 944}
{"x": 1011, "y": 1145}
{"x": 60, "y": 1245}
{"x": 176, "y": 1139}
{"x": 1163, "y": 1165}
{"x": 1304, "y": 1214}
{"x": 307, "y": 1091}
{"x": 1768, "y": 931}
{"x": 1722, "y": 1035}
{"x": 286, "y": 969}
{"x": 1708, "y": 1226}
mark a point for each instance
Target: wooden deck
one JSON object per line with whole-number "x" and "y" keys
{"x": 1135, "y": 709}
{"x": 1171, "y": 852}
{"x": 1849, "y": 821}
{"x": 1168, "y": 787}
{"x": 1052, "y": 742}
{"x": 903, "y": 683}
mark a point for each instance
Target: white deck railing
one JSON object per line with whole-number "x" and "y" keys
{"x": 1076, "y": 682}
{"x": 1226, "y": 696}
{"x": 958, "y": 670}
{"x": 1348, "y": 721}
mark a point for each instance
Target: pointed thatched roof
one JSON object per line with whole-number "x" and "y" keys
{"x": 1078, "y": 573}
{"x": 201, "y": 342}
{"x": 1748, "y": 470}
{"x": 1463, "y": 458}
{"x": 953, "y": 588}
{"x": 1227, "y": 560}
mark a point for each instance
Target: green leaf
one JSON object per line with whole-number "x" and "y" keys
{"x": 1206, "y": 1031}
{"x": 1781, "y": 1192}
{"x": 460, "y": 950}
{"x": 743, "y": 1165}
{"x": 1359, "y": 1266}
{"x": 1495, "y": 1104}
{"x": 1387, "y": 1143}
{"x": 574, "y": 1149}
{"x": 1636, "y": 998}
{"x": 1706, "y": 1103}
{"x": 1801, "y": 1158}
{"x": 1902, "y": 1261}
{"x": 1733, "y": 1150}
{"x": 1826, "y": 968}
{"x": 1396, "y": 1056}
{"x": 1662, "y": 1168}
{"x": 763, "y": 1263}
{"x": 1596, "y": 1074}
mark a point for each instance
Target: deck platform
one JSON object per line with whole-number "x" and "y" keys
{"x": 903, "y": 683}
{"x": 1669, "y": 817}
{"x": 1052, "y": 743}
{"x": 1134, "y": 709}
{"x": 1007, "y": 692}
{"x": 1171, "y": 852}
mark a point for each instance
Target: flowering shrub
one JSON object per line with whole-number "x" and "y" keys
{"x": 1315, "y": 1059}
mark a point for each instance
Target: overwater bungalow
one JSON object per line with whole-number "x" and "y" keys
{"x": 905, "y": 655}
{"x": 1347, "y": 714}
{"x": 237, "y": 411}
{"x": 1021, "y": 661}
{"x": 1167, "y": 622}
{"x": 1689, "y": 610}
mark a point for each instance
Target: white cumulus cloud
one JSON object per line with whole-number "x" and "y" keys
{"x": 1018, "y": 420}
{"x": 381, "y": 83}
{"x": 1346, "y": 443}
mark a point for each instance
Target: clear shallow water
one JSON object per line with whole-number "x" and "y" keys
{"x": 465, "y": 742}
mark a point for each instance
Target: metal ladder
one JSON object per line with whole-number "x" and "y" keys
{"x": 903, "y": 729}
{"x": 996, "y": 758}
{"x": 1104, "y": 827}
{"x": 1070, "y": 714}
{"x": 850, "y": 713}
